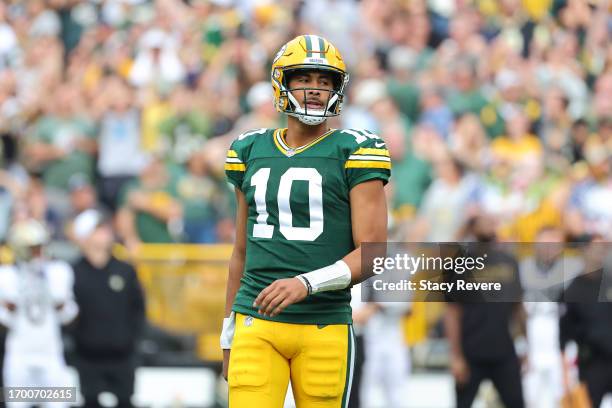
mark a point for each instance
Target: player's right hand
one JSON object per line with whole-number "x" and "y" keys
{"x": 278, "y": 295}
{"x": 226, "y": 357}
{"x": 460, "y": 369}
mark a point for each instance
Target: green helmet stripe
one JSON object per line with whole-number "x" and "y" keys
{"x": 321, "y": 47}
{"x": 308, "y": 46}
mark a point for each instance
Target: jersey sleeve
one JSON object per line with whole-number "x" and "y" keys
{"x": 235, "y": 165}
{"x": 368, "y": 161}
{"x": 60, "y": 281}
{"x": 238, "y": 156}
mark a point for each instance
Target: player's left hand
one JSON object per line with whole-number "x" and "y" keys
{"x": 278, "y": 295}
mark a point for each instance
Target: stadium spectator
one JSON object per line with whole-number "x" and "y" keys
{"x": 202, "y": 200}
{"x": 62, "y": 143}
{"x": 11, "y": 192}
{"x": 259, "y": 99}
{"x": 435, "y": 112}
{"x": 157, "y": 60}
{"x": 83, "y": 195}
{"x": 44, "y": 22}
{"x": 34, "y": 203}
{"x": 466, "y": 96}
{"x": 518, "y": 144}
{"x": 403, "y": 62}
{"x": 119, "y": 137}
{"x": 579, "y": 133}
{"x": 602, "y": 95}
{"x": 446, "y": 202}
{"x": 554, "y": 128}
{"x": 412, "y": 165}
{"x": 9, "y": 50}
{"x": 587, "y": 212}
{"x": 149, "y": 210}
{"x": 187, "y": 127}
{"x": 111, "y": 318}
{"x": 468, "y": 143}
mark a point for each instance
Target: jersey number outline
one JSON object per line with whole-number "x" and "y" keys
{"x": 261, "y": 229}
{"x": 361, "y": 135}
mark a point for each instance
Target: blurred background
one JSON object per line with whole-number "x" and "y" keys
{"x": 488, "y": 107}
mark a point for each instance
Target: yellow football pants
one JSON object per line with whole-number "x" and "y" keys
{"x": 265, "y": 355}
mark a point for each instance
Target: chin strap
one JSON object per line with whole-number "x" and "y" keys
{"x": 311, "y": 120}
{"x": 332, "y": 277}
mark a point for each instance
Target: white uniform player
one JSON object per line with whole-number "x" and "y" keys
{"x": 36, "y": 298}
{"x": 387, "y": 357}
{"x": 543, "y": 381}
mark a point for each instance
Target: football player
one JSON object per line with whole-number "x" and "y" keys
{"x": 307, "y": 196}
{"x": 36, "y": 298}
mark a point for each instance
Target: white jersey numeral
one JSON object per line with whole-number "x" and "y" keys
{"x": 315, "y": 204}
{"x": 285, "y": 217}
{"x": 251, "y": 133}
{"x": 260, "y": 182}
{"x": 360, "y": 135}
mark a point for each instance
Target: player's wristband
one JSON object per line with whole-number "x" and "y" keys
{"x": 332, "y": 277}
{"x": 227, "y": 333}
{"x": 521, "y": 346}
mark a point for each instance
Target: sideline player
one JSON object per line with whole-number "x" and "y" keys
{"x": 36, "y": 298}
{"x": 308, "y": 196}
{"x": 544, "y": 277}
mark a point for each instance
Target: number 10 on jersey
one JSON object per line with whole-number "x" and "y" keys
{"x": 261, "y": 229}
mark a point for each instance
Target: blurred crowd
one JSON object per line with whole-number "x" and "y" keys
{"x": 503, "y": 107}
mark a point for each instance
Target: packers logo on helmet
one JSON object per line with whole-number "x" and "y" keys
{"x": 308, "y": 52}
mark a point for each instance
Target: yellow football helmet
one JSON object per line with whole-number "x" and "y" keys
{"x": 24, "y": 236}
{"x": 308, "y": 52}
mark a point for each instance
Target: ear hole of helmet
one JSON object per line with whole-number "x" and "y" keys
{"x": 283, "y": 101}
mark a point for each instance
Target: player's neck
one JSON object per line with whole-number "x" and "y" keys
{"x": 299, "y": 134}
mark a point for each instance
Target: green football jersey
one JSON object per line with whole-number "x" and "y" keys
{"x": 299, "y": 215}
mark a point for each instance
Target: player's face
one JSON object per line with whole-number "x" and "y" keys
{"x": 311, "y": 88}
{"x": 550, "y": 245}
{"x": 101, "y": 238}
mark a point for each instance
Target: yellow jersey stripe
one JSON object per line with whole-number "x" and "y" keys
{"x": 368, "y": 157}
{"x": 279, "y": 135}
{"x": 277, "y": 143}
{"x": 232, "y": 153}
{"x": 372, "y": 151}
{"x": 362, "y": 164}
{"x": 235, "y": 167}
